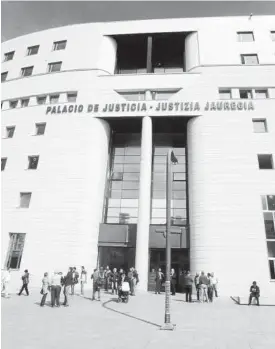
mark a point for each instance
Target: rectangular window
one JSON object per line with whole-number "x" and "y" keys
{"x": 133, "y": 96}
{"x": 261, "y": 94}
{"x": 17, "y": 241}
{"x": 40, "y": 128}
{"x": 54, "y": 67}
{"x": 162, "y": 95}
{"x": 33, "y": 162}
{"x": 27, "y": 71}
{"x": 259, "y": 125}
{"x": 13, "y": 104}
{"x": 10, "y": 131}
{"x": 269, "y": 225}
{"x": 250, "y": 59}
{"x": 272, "y": 34}
{"x": 272, "y": 269}
{"x": 41, "y": 100}
{"x": 71, "y": 97}
{"x": 271, "y": 249}
{"x": 54, "y": 99}
{"x": 246, "y": 94}
{"x": 25, "y": 102}
{"x": 3, "y": 163}
{"x": 4, "y": 76}
{"x": 245, "y": 36}
{"x": 117, "y": 176}
{"x": 271, "y": 202}
{"x": 32, "y": 50}
{"x": 59, "y": 45}
{"x": 225, "y": 94}
{"x": 265, "y": 161}
{"x": 8, "y": 56}
{"x": 25, "y": 199}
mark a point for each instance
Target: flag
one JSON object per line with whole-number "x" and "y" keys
{"x": 174, "y": 160}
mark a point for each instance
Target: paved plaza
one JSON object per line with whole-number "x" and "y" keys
{"x": 87, "y": 324}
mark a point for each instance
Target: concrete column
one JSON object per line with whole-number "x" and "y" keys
{"x": 144, "y": 210}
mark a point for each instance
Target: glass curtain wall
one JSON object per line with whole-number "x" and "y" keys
{"x": 162, "y": 142}
{"x": 123, "y": 186}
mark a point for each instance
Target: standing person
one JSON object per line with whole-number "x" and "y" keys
{"x": 173, "y": 279}
{"x": 98, "y": 281}
{"x": 75, "y": 279}
{"x": 83, "y": 280}
{"x": 114, "y": 280}
{"x": 107, "y": 274}
{"x": 188, "y": 286}
{"x": 197, "y": 285}
{"x": 68, "y": 281}
{"x": 6, "y": 277}
{"x": 131, "y": 280}
{"x": 203, "y": 287}
{"x": 56, "y": 285}
{"x": 159, "y": 280}
{"x": 45, "y": 289}
{"x": 215, "y": 284}
{"x": 26, "y": 280}
{"x": 210, "y": 287}
{"x": 135, "y": 280}
{"x": 254, "y": 293}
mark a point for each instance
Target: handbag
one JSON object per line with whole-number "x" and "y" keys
{"x": 41, "y": 292}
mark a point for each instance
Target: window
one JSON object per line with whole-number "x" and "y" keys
{"x": 71, "y": 97}
{"x": 3, "y": 163}
{"x": 272, "y": 268}
{"x": 25, "y": 102}
{"x": 261, "y": 94}
{"x": 54, "y": 99}
{"x": 10, "y": 131}
{"x": 27, "y": 71}
{"x": 162, "y": 95}
{"x": 117, "y": 176}
{"x": 4, "y": 76}
{"x": 272, "y": 33}
{"x": 133, "y": 96}
{"x": 8, "y": 56}
{"x": 32, "y": 50}
{"x": 17, "y": 241}
{"x": 59, "y": 45}
{"x": 225, "y": 94}
{"x": 25, "y": 199}
{"x": 269, "y": 225}
{"x": 259, "y": 125}
{"x": 13, "y": 104}
{"x": 265, "y": 161}
{"x": 54, "y": 67}
{"x": 271, "y": 202}
{"x": 41, "y": 100}
{"x": 250, "y": 59}
{"x": 33, "y": 162}
{"x": 245, "y": 36}
{"x": 40, "y": 128}
{"x": 246, "y": 94}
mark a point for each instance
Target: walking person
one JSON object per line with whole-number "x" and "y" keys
{"x": 26, "y": 280}
{"x": 159, "y": 280}
{"x": 45, "y": 289}
{"x": 107, "y": 274}
{"x": 203, "y": 287}
{"x": 83, "y": 280}
{"x": 215, "y": 284}
{"x": 188, "y": 287}
{"x": 56, "y": 285}
{"x": 210, "y": 287}
{"x": 197, "y": 285}
{"x": 114, "y": 280}
{"x": 68, "y": 281}
{"x": 254, "y": 293}
{"x": 75, "y": 279}
{"x": 173, "y": 279}
{"x": 6, "y": 278}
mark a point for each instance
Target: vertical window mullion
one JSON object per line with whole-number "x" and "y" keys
{"x": 149, "y": 65}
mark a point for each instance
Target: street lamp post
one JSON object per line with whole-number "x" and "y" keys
{"x": 167, "y": 318}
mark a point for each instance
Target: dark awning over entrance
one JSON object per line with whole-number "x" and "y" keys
{"x": 178, "y": 237}
{"x": 122, "y": 235}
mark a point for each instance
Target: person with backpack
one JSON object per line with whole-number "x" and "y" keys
{"x": 26, "y": 280}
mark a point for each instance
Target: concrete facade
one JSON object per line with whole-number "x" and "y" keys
{"x": 227, "y": 233}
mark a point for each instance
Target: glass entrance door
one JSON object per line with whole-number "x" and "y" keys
{"x": 116, "y": 257}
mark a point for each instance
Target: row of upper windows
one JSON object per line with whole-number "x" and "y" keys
{"x": 33, "y": 50}
{"x": 27, "y": 71}
{"x": 53, "y": 98}
{"x": 244, "y": 93}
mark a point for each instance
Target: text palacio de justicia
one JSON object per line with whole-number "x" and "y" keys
{"x": 147, "y": 107}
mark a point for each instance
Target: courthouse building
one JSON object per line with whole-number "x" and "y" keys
{"x": 89, "y": 112}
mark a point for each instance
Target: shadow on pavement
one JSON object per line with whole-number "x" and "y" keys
{"x": 105, "y": 305}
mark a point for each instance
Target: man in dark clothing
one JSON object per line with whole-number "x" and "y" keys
{"x": 173, "y": 279}
{"x": 68, "y": 281}
{"x": 159, "y": 280}
{"x": 107, "y": 274}
{"x": 254, "y": 293}
{"x": 188, "y": 286}
{"x": 26, "y": 280}
{"x": 203, "y": 280}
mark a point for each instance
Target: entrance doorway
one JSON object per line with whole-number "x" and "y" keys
{"x": 116, "y": 257}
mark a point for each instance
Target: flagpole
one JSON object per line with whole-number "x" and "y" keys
{"x": 167, "y": 318}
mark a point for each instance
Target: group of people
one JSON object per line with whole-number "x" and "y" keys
{"x": 113, "y": 279}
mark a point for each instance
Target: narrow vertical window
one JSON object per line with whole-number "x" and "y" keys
{"x": 25, "y": 199}
{"x": 15, "y": 252}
